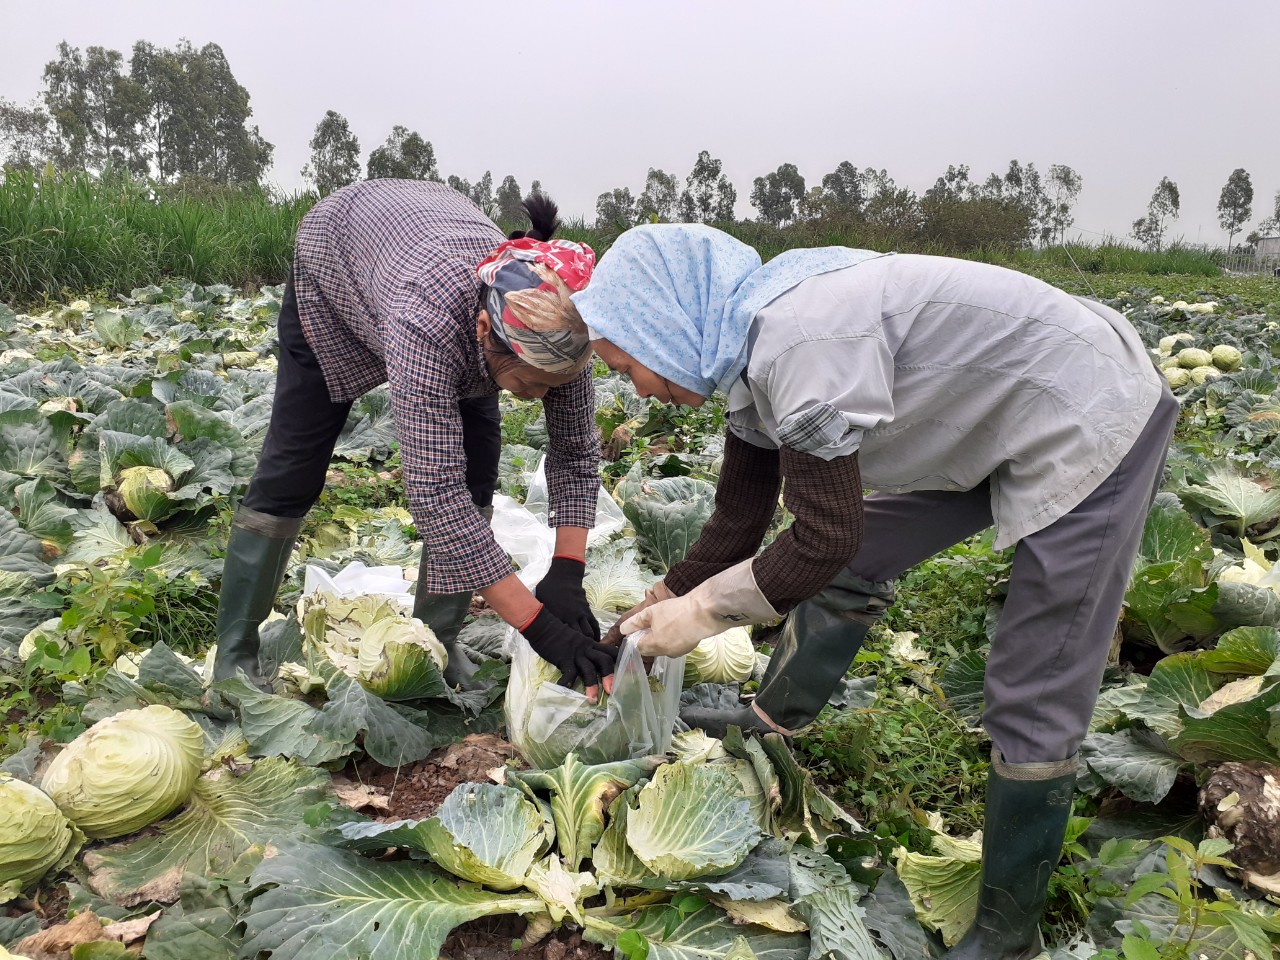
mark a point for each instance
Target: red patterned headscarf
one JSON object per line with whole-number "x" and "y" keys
{"x": 527, "y": 287}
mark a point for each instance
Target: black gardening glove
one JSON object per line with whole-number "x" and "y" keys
{"x": 561, "y": 592}
{"x": 577, "y": 657}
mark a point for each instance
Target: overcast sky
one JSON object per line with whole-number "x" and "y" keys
{"x": 586, "y": 96}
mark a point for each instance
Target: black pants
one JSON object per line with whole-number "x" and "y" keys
{"x": 305, "y": 426}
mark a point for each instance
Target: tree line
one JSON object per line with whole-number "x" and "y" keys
{"x": 178, "y": 116}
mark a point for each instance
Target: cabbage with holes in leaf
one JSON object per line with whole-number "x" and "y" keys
{"x": 944, "y": 885}
{"x": 728, "y": 657}
{"x": 333, "y": 619}
{"x": 34, "y": 836}
{"x": 126, "y": 771}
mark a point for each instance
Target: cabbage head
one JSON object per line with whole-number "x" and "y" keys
{"x": 728, "y": 657}
{"x": 371, "y": 640}
{"x": 1200, "y": 374}
{"x": 127, "y": 771}
{"x": 1177, "y": 377}
{"x": 1226, "y": 357}
{"x": 1177, "y": 340}
{"x": 943, "y": 886}
{"x": 50, "y": 629}
{"x": 244, "y": 359}
{"x": 34, "y": 836}
{"x": 400, "y": 659}
{"x": 145, "y": 491}
{"x": 330, "y": 619}
{"x": 1193, "y": 357}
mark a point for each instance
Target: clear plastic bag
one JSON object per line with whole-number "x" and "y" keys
{"x": 547, "y": 722}
{"x": 525, "y": 538}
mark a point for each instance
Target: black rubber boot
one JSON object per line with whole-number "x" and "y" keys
{"x": 445, "y": 614}
{"x": 1028, "y": 805}
{"x": 815, "y": 648}
{"x": 257, "y": 555}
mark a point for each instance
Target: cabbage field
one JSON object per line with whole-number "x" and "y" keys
{"x": 364, "y": 810}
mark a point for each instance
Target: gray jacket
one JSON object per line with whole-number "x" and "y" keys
{"x": 943, "y": 373}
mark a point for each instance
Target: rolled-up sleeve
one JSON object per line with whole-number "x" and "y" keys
{"x": 423, "y": 371}
{"x": 573, "y": 453}
{"x": 825, "y": 394}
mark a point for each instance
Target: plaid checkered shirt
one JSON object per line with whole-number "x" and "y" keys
{"x": 384, "y": 273}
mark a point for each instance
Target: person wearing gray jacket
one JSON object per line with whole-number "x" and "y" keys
{"x": 963, "y": 395}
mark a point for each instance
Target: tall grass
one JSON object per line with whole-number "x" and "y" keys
{"x": 1111, "y": 256}
{"x": 75, "y": 233}
{"x": 1117, "y": 257}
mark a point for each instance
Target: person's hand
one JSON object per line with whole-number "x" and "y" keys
{"x": 576, "y": 656}
{"x": 560, "y": 591}
{"x": 671, "y": 628}
{"x": 655, "y": 594}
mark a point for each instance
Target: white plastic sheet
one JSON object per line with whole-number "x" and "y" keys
{"x": 521, "y": 529}
{"x": 356, "y": 579}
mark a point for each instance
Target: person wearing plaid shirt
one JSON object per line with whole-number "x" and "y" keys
{"x": 407, "y": 283}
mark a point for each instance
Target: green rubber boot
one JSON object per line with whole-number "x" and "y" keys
{"x": 257, "y": 555}
{"x": 1028, "y": 805}
{"x": 817, "y": 644}
{"x": 445, "y": 613}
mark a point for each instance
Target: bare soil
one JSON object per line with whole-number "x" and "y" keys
{"x": 496, "y": 938}
{"x": 415, "y": 791}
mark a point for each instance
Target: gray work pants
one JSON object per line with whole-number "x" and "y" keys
{"x": 1066, "y": 590}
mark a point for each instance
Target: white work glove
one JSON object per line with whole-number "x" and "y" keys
{"x": 655, "y": 594}
{"x": 674, "y": 627}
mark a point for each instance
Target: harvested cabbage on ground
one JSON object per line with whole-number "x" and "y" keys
{"x": 126, "y": 771}
{"x": 728, "y": 657}
{"x": 34, "y": 836}
{"x": 372, "y": 640}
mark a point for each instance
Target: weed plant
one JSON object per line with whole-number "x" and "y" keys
{"x": 911, "y": 754}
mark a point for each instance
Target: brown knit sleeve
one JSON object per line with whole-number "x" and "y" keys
{"x": 825, "y": 496}
{"x": 746, "y": 498}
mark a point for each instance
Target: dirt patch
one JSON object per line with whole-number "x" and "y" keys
{"x": 415, "y": 791}
{"x": 497, "y": 939}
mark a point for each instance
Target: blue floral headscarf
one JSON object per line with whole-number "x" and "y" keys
{"x": 680, "y": 298}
